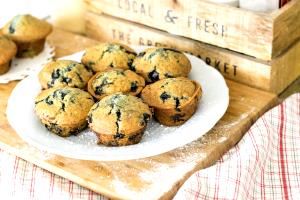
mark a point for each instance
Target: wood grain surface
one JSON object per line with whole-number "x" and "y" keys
{"x": 273, "y": 76}
{"x": 262, "y": 35}
{"x": 157, "y": 177}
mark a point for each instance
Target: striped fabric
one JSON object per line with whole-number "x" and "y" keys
{"x": 21, "y": 180}
{"x": 265, "y": 164}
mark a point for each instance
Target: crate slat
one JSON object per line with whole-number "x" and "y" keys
{"x": 271, "y": 76}
{"x": 262, "y": 35}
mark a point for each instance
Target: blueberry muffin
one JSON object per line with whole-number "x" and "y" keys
{"x": 64, "y": 73}
{"x": 174, "y": 99}
{"x": 159, "y": 63}
{"x": 107, "y": 56}
{"x": 8, "y": 50}
{"x": 119, "y": 119}
{"x": 28, "y": 33}
{"x": 113, "y": 81}
{"x": 63, "y": 110}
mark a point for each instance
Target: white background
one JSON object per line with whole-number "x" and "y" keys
{"x": 10, "y": 8}
{"x": 66, "y": 14}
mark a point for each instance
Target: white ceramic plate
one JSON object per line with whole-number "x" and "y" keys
{"x": 157, "y": 138}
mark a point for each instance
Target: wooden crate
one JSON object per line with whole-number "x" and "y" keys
{"x": 271, "y": 76}
{"x": 262, "y": 35}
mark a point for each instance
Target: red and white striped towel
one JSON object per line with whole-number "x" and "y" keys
{"x": 265, "y": 164}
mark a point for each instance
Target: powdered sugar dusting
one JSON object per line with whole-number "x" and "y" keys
{"x": 164, "y": 176}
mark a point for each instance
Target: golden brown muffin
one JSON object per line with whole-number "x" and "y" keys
{"x": 64, "y": 73}
{"x": 159, "y": 63}
{"x": 28, "y": 33}
{"x": 113, "y": 81}
{"x": 107, "y": 56}
{"x": 8, "y": 50}
{"x": 63, "y": 110}
{"x": 174, "y": 99}
{"x": 119, "y": 119}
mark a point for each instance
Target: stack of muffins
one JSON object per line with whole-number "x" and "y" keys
{"x": 128, "y": 89}
{"x": 23, "y": 36}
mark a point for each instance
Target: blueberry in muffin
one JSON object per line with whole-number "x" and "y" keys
{"x": 108, "y": 56}
{"x": 159, "y": 63}
{"x": 119, "y": 119}
{"x": 8, "y": 50}
{"x": 114, "y": 81}
{"x": 29, "y": 33}
{"x": 174, "y": 99}
{"x": 63, "y": 110}
{"x": 64, "y": 73}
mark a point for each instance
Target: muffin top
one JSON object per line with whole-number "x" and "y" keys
{"x": 64, "y": 73}
{"x": 115, "y": 80}
{"x": 107, "y": 56}
{"x": 119, "y": 114}
{"x": 26, "y": 28}
{"x": 159, "y": 63}
{"x": 169, "y": 93}
{"x": 63, "y": 106}
{"x": 8, "y": 49}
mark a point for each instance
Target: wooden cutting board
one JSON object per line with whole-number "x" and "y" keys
{"x": 157, "y": 177}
